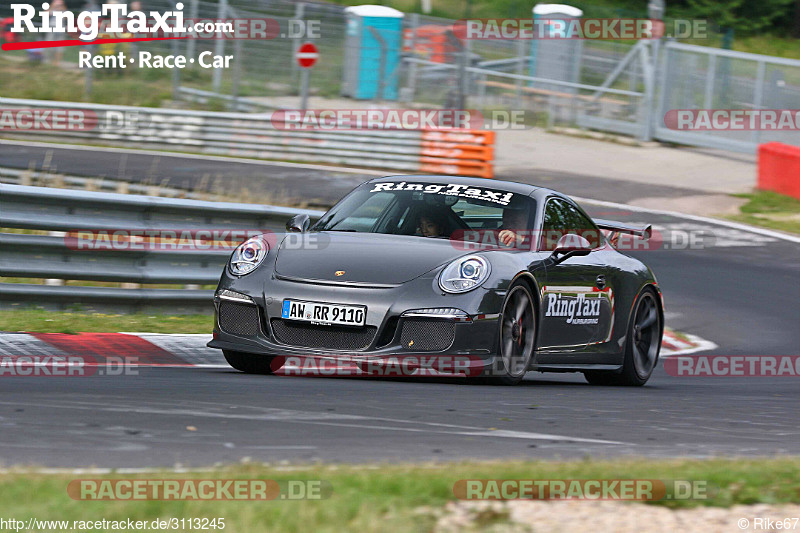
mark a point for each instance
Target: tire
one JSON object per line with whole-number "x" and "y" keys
{"x": 250, "y": 363}
{"x": 517, "y": 337}
{"x": 642, "y": 346}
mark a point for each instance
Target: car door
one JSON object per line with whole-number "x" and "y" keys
{"x": 577, "y": 301}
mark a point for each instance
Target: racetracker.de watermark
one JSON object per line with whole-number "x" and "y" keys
{"x": 186, "y": 240}
{"x": 198, "y": 489}
{"x": 733, "y": 119}
{"x": 580, "y": 489}
{"x": 67, "y": 366}
{"x": 161, "y": 239}
{"x": 401, "y": 119}
{"x": 396, "y": 366}
{"x": 71, "y": 119}
{"x": 582, "y": 29}
{"x": 671, "y": 239}
{"x": 733, "y": 366}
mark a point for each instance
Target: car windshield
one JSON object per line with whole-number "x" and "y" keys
{"x": 448, "y": 211}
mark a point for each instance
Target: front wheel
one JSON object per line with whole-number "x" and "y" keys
{"x": 250, "y": 363}
{"x": 642, "y": 346}
{"x": 517, "y": 336}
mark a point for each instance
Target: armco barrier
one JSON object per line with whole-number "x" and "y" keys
{"x": 779, "y": 168}
{"x": 462, "y": 152}
{"x": 50, "y": 256}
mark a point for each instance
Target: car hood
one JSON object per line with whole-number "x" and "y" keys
{"x": 368, "y": 258}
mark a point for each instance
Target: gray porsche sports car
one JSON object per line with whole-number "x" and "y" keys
{"x": 512, "y": 277}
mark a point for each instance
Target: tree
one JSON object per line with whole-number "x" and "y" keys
{"x": 745, "y": 16}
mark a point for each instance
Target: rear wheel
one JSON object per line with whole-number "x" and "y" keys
{"x": 250, "y": 363}
{"x": 642, "y": 345}
{"x": 517, "y": 336}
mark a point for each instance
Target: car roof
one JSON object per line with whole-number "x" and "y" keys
{"x": 508, "y": 186}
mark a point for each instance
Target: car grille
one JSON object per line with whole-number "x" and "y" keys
{"x": 239, "y": 319}
{"x": 425, "y": 335}
{"x": 326, "y": 337}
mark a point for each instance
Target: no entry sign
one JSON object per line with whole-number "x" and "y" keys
{"x": 307, "y": 55}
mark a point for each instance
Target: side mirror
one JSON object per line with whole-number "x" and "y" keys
{"x": 569, "y": 245}
{"x": 298, "y": 224}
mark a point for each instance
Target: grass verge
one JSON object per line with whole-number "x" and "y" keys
{"x": 770, "y": 210}
{"x": 40, "y": 320}
{"x": 390, "y": 498}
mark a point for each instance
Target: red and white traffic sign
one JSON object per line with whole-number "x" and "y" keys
{"x": 307, "y": 55}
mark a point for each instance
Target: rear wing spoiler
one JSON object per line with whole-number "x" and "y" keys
{"x": 643, "y": 232}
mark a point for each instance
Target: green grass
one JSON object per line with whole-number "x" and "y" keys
{"x": 40, "y": 320}
{"x": 47, "y": 82}
{"x": 391, "y": 498}
{"x": 135, "y": 87}
{"x": 770, "y": 210}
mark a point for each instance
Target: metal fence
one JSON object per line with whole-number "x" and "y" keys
{"x": 462, "y": 152}
{"x": 695, "y": 77}
{"x": 62, "y": 212}
{"x": 605, "y": 85}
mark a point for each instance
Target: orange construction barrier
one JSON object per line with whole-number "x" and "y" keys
{"x": 458, "y": 152}
{"x": 779, "y": 168}
{"x": 431, "y": 43}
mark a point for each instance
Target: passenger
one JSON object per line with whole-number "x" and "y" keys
{"x": 433, "y": 224}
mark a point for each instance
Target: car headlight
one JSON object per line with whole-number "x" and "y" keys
{"x": 464, "y": 274}
{"x": 249, "y": 255}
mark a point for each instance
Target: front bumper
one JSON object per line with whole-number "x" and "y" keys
{"x": 388, "y": 333}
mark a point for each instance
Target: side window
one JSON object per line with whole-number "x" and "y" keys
{"x": 562, "y": 218}
{"x": 554, "y": 224}
{"x": 581, "y": 225}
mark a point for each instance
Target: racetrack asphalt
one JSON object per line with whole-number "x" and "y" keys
{"x": 230, "y": 176}
{"x": 738, "y": 289}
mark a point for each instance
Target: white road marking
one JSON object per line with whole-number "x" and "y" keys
{"x": 684, "y": 235}
{"x": 697, "y": 218}
{"x": 328, "y": 419}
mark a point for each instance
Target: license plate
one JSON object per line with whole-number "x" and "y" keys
{"x": 324, "y": 314}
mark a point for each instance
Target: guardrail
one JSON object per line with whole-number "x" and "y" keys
{"x": 47, "y": 178}
{"x": 455, "y": 152}
{"x": 65, "y": 212}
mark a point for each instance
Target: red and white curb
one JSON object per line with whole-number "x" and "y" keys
{"x": 184, "y": 350}
{"x": 136, "y": 349}
{"x": 675, "y": 343}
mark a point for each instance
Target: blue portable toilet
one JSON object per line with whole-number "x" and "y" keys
{"x": 362, "y": 57}
{"x": 555, "y": 59}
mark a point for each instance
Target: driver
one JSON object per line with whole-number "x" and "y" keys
{"x": 513, "y": 231}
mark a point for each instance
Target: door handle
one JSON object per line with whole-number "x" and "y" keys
{"x": 600, "y": 282}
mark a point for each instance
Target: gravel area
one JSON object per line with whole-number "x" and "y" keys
{"x": 619, "y": 517}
